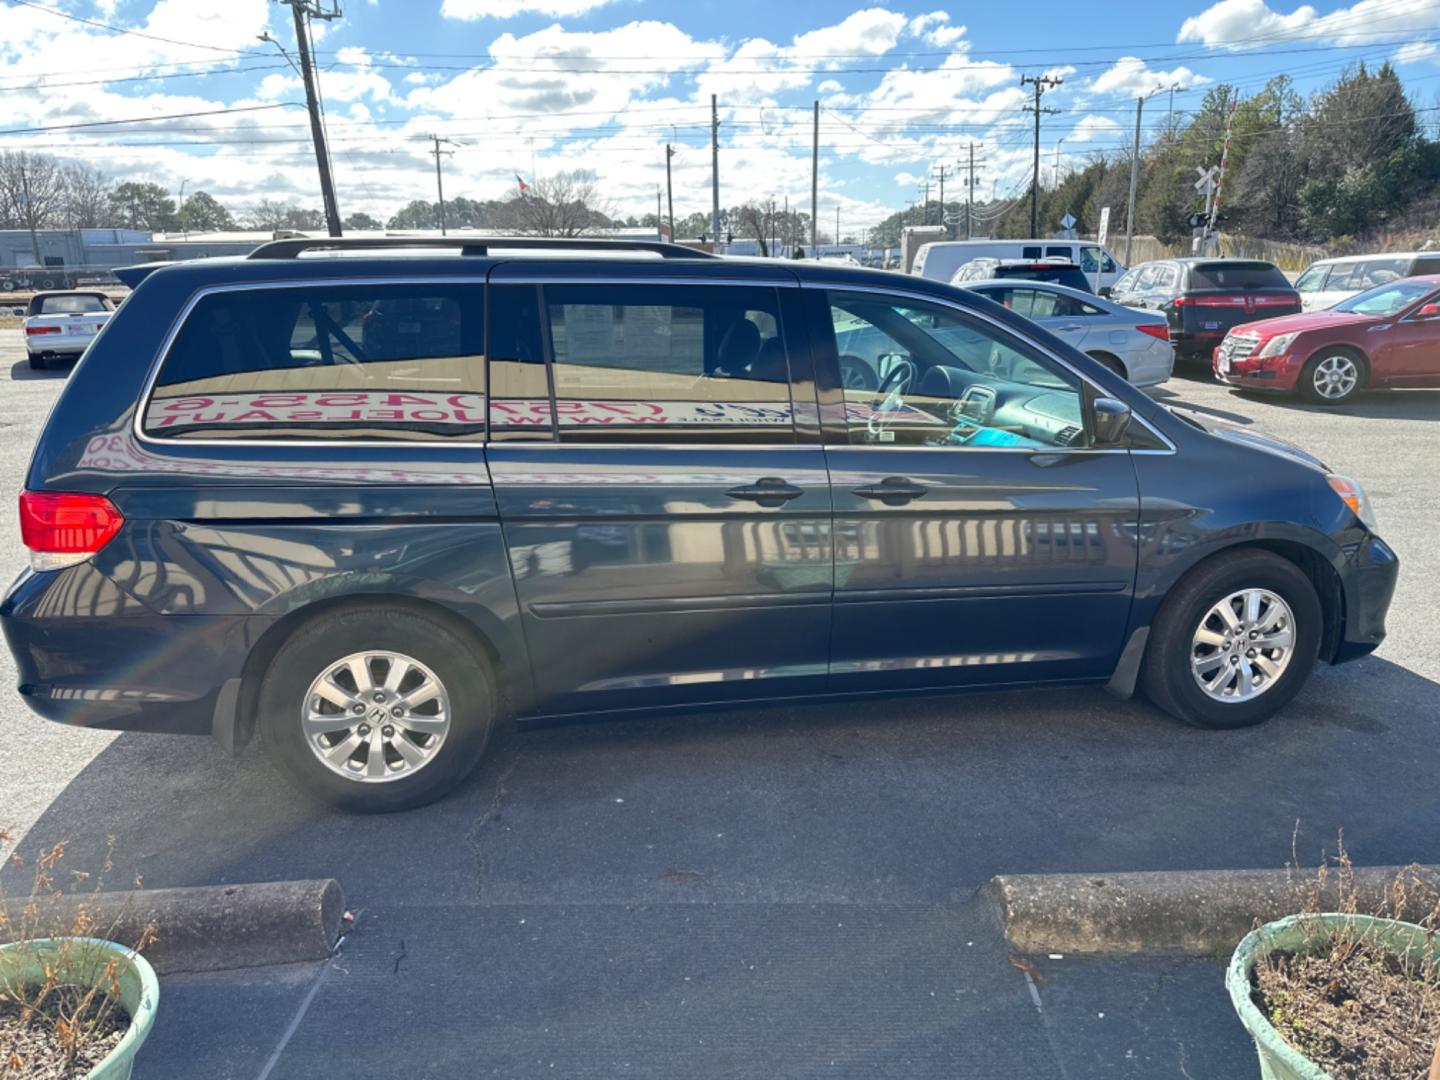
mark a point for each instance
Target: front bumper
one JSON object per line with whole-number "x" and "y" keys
{"x": 1368, "y": 580}
{"x": 1279, "y": 373}
{"x": 91, "y": 658}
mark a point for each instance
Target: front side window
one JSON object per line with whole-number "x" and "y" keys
{"x": 941, "y": 378}
{"x": 664, "y": 363}
{"x": 1312, "y": 280}
{"x": 1128, "y": 281}
{"x": 372, "y": 361}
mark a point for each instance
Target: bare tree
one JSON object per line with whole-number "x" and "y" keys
{"x": 86, "y": 203}
{"x": 566, "y": 204}
{"x": 752, "y": 219}
{"x": 267, "y": 214}
{"x": 32, "y": 190}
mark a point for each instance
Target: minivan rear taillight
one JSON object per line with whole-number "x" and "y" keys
{"x": 62, "y": 528}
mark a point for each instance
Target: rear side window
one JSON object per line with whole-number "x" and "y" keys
{"x": 1426, "y": 266}
{"x": 660, "y": 363}
{"x": 1238, "y": 275}
{"x": 401, "y": 362}
{"x": 1031, "y": 252}
{"x": 78, "y": 304}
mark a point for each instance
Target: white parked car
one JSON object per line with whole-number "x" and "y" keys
{"x": 60, "y": 325}
{"x": 1325, "y": 283}
{"x": 939, "y": 259}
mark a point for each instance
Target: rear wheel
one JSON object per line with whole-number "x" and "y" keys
{"x": 37, "y": 362}
{"x": 1111, "y": 362}
{"x": 1332, "y": 377}
{"x": 1234, "y": 641}
{"x": 376, "y": 709}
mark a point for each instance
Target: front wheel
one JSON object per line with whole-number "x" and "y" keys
{"x": 1332, "y": 378}
{"x": 376, "y": 709}
{"x": 1234, "y": 641}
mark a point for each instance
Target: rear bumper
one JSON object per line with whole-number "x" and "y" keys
{"x": 1368, "y": 580}
{"x": 133, "y": 671}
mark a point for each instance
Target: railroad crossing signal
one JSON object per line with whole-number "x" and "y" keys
{"x": 1208, "y": 179}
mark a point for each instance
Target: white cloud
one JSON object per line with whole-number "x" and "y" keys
{"x": 831, "y": 86}
{"x": 1091, "y": 127}
{"x": 1248, "y": 24}
{"x": 469, "y": 10}
{"x": 1130, "y": 77}
{"x": 1415, "y": 51}
{"x": 873, "y": 31}
{"x": 934, "y": 29}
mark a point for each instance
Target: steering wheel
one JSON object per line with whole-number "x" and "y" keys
{"x": 890, "y": 397}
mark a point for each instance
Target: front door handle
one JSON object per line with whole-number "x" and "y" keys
{"x": 892, "y": 491}
{"x": 767, "y": 491}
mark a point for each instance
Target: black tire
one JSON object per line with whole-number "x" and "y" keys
{"x": 1111, "y": 362}
{"x": 317, "y": 646}
{"x": 37, "y": 363}
{"x": 1309, "y": 376}
{"x": 1167, "y": 678}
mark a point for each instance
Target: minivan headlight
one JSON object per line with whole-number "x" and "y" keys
{"x": 1353, "y": 496}
{"x": 1279, "y": 345}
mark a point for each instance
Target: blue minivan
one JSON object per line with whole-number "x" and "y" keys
{"x": 368, "y": 498}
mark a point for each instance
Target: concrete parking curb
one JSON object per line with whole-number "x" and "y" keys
{"x": 209, "y": 928}
{"x": 1186, "y": 912}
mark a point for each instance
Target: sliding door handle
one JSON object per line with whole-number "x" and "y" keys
{"x": 892, "y": 491}
{"x": 767, "y": 491}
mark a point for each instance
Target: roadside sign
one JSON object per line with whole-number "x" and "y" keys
{"x": 1068, "y": 221}
{"x": 1208, "y": 179}
{"x": 1104, "y": 226}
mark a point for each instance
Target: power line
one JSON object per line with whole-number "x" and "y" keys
{"x": 149, "y": 119}
{"x": 129, "y": 33}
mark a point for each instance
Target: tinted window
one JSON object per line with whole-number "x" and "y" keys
{"x": 1064, "y": 252}
{"x": 76, "y": 304}
{"x": 1238, "y": 275}
{"x": 668, "y": 363}
{"x": 1426, "y": 266}
{"x": 347, "y": 361}
{"x": 1030, "y": 252}
{"x": 936, "y": 377}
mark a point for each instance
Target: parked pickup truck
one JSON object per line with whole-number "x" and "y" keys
{"x": 60, "y": 325}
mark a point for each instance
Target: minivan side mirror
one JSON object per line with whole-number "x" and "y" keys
{"x": 1111, "y": 419}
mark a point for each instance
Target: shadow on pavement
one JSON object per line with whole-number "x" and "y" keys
{"x": 756, "y": 892}
{"x": 1371, "y": 404}
{"x": 21, "y": 370}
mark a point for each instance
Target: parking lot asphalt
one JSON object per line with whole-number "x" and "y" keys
{"x": 786, "y": 891}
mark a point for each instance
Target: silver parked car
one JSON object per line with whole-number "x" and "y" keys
{"x": 1130, "y": 342}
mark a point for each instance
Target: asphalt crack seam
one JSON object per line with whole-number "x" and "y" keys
{"x": 491, "y": 814}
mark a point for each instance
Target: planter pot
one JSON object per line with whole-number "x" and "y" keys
{"x": 139, "y": 990}
{"x": 1299, "y": 933}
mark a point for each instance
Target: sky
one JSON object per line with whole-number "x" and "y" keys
{"x": 538, "y": 87}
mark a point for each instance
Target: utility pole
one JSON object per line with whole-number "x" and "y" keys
{"x": 970, "y": 194}
{"x": 715, "y": 171}
{"x": 1134, "y": 179}
{"x": 669, "y": 191}
{"x": 30, "y": 215}
{"x": 439, "y": 183}
{"x": 925, "y": 209}
{"x": 1057, "y": 162}
{"x": 837, "y": 226}
{"x": 659, "y": 221}
{"x": 304, "y": 10}
{"x": 815, "y": 182}
{"x": 943, "y": 225}
{"x": 1041, "y": 84}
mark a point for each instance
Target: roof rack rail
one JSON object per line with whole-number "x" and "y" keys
{"x": 471, "y": 245}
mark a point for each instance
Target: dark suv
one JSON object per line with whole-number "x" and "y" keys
{"x": 1205, "y": 298}
{"x": 368, "y": 505}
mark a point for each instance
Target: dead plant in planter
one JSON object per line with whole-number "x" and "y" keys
{"x": 60, "y": 993}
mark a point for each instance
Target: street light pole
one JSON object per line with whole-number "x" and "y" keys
{"x": 303, "y": 11}
{"x": 439, "y": 182}
{"x": 1134, "y": 179}
{"x": 669, "y": 192}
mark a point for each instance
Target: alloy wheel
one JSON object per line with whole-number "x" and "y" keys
{"x": 1243, "y": 645}
{"x": 1335, "y": 377}
{"x": 375, "y": 716}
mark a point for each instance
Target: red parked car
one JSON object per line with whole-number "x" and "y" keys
{"x": 1388, "y": 336}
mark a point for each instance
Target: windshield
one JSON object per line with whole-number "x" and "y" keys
{"x": 1386, "y": 299}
